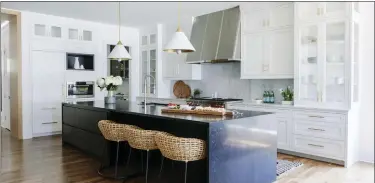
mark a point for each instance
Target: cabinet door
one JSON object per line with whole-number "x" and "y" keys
{"x": 55, "y": 31}
{"x": 280, "y": 53}
{"x": 40, "y": 30}
{"x": 86, "y": 35}
{"x": 281, "y": 16}
{"x": 48, "y": 92}
{"x": 334, "y": 9}
{"x": 255, "y": 20}
{"x": 336, "y": 49}
{"x": 253, "y": 55}
{"x": 307, "y": 11}
{"x": 73, "y": 34}
{"x": 282, "y": 133}
{"x": 308, "y": 56}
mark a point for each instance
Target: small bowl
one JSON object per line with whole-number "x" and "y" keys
{"x": 258, "y": 101}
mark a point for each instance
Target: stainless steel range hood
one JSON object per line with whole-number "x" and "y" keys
{"x": 216, "y": 37}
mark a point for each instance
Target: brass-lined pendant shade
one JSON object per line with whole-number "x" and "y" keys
{"x": 179, "y": 42}
{"x": 119, "y": 52}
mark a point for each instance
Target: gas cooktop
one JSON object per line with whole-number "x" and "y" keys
{"x": 217, "y": 99}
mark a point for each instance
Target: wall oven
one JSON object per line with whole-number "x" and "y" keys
{"x": 80, "y": 89}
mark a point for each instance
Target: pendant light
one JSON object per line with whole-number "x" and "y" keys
{"x": 119, "y": 52}
{"x": 179, "y": 42}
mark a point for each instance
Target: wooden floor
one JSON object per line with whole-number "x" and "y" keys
{"x": 44, "y": 160}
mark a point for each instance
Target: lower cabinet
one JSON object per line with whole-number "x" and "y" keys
{"x": 316, "y": 133}
{"x": 282, "y": 133}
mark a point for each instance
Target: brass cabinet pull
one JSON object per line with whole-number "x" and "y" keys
{"x": 45, "y": 123}
{"x": 314, "y": 145}
{"x": 316, "y": 116}
{"x": 316, "y": 129}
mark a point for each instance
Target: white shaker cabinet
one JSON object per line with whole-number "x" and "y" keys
{"x": 48, "y": 31}
{"x": 267, "y": 42}
{"x": 267, "y": 55}
{"x": 317, "y": 11}
{"x": 47, "y": 91}
{"x": 80, "y": 34}
{"x": 268, "y": 18}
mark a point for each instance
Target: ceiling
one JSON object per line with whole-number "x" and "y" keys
{"x": 134, "y": 14}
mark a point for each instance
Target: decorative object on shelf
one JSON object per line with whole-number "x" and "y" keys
{"x": 111, "y": 84}
{"x": 287, "y": 95}
{"x": 197, "y": 93}
{"x": 179, "y": 42}
{"x": 79, "y": 61}
{"x": 76, "y": 63}
{"x": 119, "y": 52}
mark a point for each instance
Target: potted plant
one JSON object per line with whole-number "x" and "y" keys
{"x": 196, "y": 93}
{"x": 287, "y": 96}
{"x": 111, "y": 84}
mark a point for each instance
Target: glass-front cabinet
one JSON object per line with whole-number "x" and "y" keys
{"x": 149, "y": 63}
{"x": 326, "y": 57}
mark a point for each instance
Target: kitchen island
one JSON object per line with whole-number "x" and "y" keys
{"x": 240, "y": 148}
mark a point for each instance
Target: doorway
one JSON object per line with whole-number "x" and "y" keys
{"x": 8, "y": 59}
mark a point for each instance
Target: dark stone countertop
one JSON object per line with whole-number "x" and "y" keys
{"x": 155, "y": 111}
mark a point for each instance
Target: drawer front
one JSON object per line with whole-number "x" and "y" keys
{"x": 318, "y": 147}
{"x": 46, "y": 119}
{"x": 323, "y": 117}
{"x": 321, "y": 130}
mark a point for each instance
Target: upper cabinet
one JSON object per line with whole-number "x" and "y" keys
{"x": 61, "y": 32}
{"x": 79, "y": 34}
{"x": 317, "y": 11}
{"x": 50, "y": 31}
{"x": 326, "y": 58}
{"x": 267, "y": 19}
{"x": 267, "y": 43}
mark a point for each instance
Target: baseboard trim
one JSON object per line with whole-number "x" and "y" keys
{"x": 46, "y": 134}
{"x": 319, "y": 158}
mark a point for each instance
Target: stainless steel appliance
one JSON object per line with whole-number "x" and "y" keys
{"x": 80, "y": 89}
{"x": 212, "y": 102}
{"x": 216, "y": 37}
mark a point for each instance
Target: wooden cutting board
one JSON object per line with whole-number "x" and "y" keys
{"x": 181, "y": 90}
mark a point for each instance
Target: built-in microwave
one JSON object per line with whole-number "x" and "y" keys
{"x": 80, "y": 89}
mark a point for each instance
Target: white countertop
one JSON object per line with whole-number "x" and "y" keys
{"x": 279, "y": 105}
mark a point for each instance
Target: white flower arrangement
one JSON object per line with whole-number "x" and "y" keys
{"x": 110, "y": 83}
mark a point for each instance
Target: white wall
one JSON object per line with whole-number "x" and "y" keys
{"x": 367, "y": 83}
{"x": 103, "y": 34}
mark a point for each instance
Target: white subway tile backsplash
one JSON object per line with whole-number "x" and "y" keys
{"x": 224, "y": 78}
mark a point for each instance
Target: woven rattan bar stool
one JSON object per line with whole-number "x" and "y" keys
{"x": 115, "y": 132}
{"x": 142, "y": 140}
{"x": 180, "y": 149}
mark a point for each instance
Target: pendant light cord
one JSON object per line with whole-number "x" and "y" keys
{"x": 119, "y": 21}
{"x": 178, "y": 17}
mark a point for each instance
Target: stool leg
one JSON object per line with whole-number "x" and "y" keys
{"x": 118, "y": 143}
{"x": 147, "y": 166}
{"x": 103, "y": 153}
{"x": 161, "y": 167}
{"x": 186, "y": 166}
{"x": 142, "y": 160}
{"x": 128, "y": 160}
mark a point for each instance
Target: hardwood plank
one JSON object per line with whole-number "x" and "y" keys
{"x": 45, "y": 160}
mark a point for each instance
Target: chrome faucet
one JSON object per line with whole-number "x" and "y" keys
{"x": 145, "y": 87}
